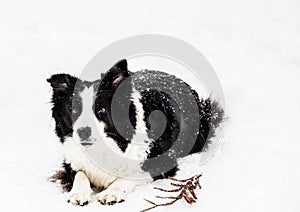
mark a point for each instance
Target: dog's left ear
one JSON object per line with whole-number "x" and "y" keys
{"x": 119, "y": 72}
{"x": 122, "y": 66}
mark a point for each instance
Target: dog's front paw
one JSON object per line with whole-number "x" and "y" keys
{"x": 79, "y": 198}
{"x": 111, "y": 196}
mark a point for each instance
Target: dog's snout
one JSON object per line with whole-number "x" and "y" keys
{"x": 84, "y": 133}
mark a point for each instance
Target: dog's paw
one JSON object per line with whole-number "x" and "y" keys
{"x": 79, "y": 198}
{"x": 111, "y": 196}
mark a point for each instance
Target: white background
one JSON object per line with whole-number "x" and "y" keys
{"x": 253, "y": 47}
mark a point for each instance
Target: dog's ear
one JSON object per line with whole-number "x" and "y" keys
{"x": 122, "y": 66}
{"x": 62, "y": 82}
{"x": 119, "y": 72}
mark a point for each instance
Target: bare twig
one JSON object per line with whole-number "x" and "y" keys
{"x": 186, "y": 189}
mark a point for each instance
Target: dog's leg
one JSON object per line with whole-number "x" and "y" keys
{"x": 119, "y": 190}
{"x": 81, "y": 190}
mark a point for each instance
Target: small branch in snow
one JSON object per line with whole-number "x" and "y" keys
{"x": 186, "y": 189}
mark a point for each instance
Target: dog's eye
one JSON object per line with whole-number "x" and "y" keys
{"x": 74, "y": 110}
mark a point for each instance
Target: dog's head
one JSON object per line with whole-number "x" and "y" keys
{"x": 83, "y": 109}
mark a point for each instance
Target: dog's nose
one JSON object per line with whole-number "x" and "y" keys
{"x": 84, "y": 133}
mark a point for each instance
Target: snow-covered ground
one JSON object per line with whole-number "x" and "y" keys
{"x": 254, "y": 47}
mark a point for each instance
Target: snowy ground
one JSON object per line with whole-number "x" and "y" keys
{"x": 252, "y": 45}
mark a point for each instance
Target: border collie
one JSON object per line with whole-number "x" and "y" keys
{"x": 82, "y": 111}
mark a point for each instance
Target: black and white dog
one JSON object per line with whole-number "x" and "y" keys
{"x": 135, "y": 132}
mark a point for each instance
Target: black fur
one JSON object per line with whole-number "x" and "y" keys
{"x": 210, "y": 115}
{"x": 65, "y": 177}
{"x": 106, "y": 91}
{"x": 63, "y": 88}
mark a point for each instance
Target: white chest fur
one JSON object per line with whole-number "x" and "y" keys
{"x": 76, "y": 156}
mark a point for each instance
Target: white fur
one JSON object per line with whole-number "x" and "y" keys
{"x": 116, "y": 188}
{"x": 81, "y": 191}
{"x": 119, "y": 190}
{"x": 87, "y": 115}
{"x": 139, "y": 146}
{"x": 76, "y": 155}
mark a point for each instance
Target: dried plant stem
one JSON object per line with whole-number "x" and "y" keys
{"x": 186, "y": 189}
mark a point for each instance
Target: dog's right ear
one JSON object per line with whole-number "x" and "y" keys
{"x": 62, "y": 82}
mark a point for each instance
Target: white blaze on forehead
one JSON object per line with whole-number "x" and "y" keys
{"x": 86, "y": 118}
{"x": 87, "y": 96}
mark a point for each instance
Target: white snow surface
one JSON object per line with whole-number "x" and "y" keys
{"x": 254, "y": 47}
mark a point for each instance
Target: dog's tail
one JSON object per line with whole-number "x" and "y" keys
{"x": 211, "y": 116}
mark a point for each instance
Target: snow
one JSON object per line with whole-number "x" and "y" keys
{"x": 253, "y": 47}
